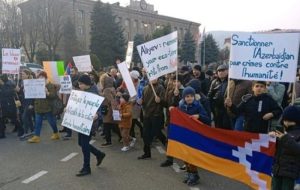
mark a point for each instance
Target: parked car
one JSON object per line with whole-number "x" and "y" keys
{"x": 34, "y": 67}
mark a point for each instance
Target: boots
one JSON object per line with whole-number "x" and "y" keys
{"x": 55, "y": 136}
{"x": 193, "y": 179}
{"x": 147, "y": 153}
{"x": 34, "y": 139}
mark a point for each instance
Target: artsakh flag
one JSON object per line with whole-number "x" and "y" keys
{"x": 54, "y": 70}
{"x": 68, "y": 69}
{"x": 242, "y": 156}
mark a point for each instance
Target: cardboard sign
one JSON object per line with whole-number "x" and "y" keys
{"x": 127, "y": 79}
{"x": 34, "y": 88}
{"x": 80, "y": 111}
{"x": 83, "y": 63}
{"x": 159, "y": 56}
{"x": 65, "y": 85}
{"x": 264, "y": 57}
{"x": 11, "y": 60}
{"x": 129, "y": 54}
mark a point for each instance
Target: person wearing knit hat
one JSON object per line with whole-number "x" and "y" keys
{"x": 85, "y": 84}
{"x": 286, "y": 164}
{"x": 85, "y": 79}
{"x": 134, "y": 74}
{"x": 192, "y": 107}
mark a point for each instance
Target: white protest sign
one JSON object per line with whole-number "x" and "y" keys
{"x": 127, "y": 78}
{"x": 65, "y": 84}
{"x": 34, "y": 88}
{"x": 83, "y": 63}
{"x": 129, "y": 54}
{"x": 81, "y": 109}
{"x": 159, "y": 56}
{"x": 11, "y": 60}
{"x": 116, "y": 115}
{"x": 264, "y": 57}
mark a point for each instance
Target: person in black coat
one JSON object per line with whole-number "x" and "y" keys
{"x": 286, "y": 165}
{"x": 7, "y": 101}
{"x": 258, "y": 108}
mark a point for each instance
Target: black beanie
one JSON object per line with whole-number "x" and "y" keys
{"x": 188, "y": 90}
{"x": 85, "y": 79}
{"x": 126, "y": 97}
{"x": 291, "y": 113}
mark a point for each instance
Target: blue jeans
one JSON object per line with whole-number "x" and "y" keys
{"x": 27, "y": 119}
{"x": 239, "y": 123}
{"x": 39, "y": 122}
{"x": 86, "y": 148}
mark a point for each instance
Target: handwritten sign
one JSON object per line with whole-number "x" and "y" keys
{"x": 129, "y": 54}
{"x": 34, "y": 88}
{"x": 264, "y": 57}
{"x": 159, "y": 56}
{"x": 81, "y": 109}
{"x": 11, "y": 60}
{"x": 83, "y": 63}
{"x": 116, "y": 115}
{"x": 65, "y": 85}
{"x": 127, "y": 79}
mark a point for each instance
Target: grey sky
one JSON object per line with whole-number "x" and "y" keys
{"x": 241, "y": 15}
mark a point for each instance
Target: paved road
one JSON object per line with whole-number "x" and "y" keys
{"x": 20, "y": 160}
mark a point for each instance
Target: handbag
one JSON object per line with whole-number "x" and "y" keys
{"x": 17, "y": 101}
{"x": 57, "y": 106}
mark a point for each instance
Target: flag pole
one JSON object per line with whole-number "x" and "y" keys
{"x": 293, "y": 93}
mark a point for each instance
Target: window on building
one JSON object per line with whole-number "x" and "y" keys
{"x": 80, "y": 30}
{"x": 81, "y": 14}
{"x": 127, "y": 22}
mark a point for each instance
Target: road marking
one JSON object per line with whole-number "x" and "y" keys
{"x": 35, "y": 177}
{"x": 160, "y": 150}
{"x": 176, "y": 167}
{"x": 92, "y": 141}
{"x": 69, "y": 157}
{"x": 194, "y": 188}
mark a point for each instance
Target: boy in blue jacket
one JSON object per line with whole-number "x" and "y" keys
{"x": 191, "y": 106}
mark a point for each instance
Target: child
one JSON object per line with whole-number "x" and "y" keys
{"x": 258, "y": 108}
{"x": 192, "y": 107}
{"x": 286, "y": 166}
{"x": 126, "y": 120}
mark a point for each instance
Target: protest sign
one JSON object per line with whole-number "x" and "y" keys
{"x": 159, "y": 56}
{"x": 129, "y": 54}
{"x": 127, "y": 78}
{"x": 264, "y": 57}
{"x": 11, "y": 60}
{"x": 83, "y": 63}
{"x": 54, "y": 70}
{"x": 65, "y": 84}
{"x": 34, "y": 88}
{"x": 80, "y": 111}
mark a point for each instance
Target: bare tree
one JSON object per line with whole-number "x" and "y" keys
{"x": 51, "y": 22}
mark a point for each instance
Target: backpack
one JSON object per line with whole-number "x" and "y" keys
{"x": 57, "y": 106}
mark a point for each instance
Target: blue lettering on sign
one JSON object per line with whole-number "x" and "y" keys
{"x": 145, "y": 50}
{"x": 249, "y": 42}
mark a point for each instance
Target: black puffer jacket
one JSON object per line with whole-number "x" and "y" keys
{"x": 254, "y": 108}
{"x": 287, "y": 156}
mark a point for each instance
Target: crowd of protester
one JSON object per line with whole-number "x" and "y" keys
{"x": 207, "y": 95}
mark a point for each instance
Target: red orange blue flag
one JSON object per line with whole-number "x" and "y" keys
{"x": 242, "y": 156}
{"x": 68, "y": 69}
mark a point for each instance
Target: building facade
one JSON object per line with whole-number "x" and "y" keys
{"x": 137, "y": 18}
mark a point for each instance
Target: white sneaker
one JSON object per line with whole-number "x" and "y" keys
{"x": 125, "y": 148}
{"x": 132, "y": 143}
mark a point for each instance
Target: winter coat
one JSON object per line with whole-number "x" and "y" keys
{"x": 217, "y": 93}
{"x": 126, "y": 115}
{"x": 44, "y": 105}
{"x": 287, "y": 156}
{"x": 7, "y": 99}
{"x": 254, "y": 108}
{"x": 110, "y": 103}
{"x": 205, "y": 83}
{"x": 194, "y": 109}
{"x": 239, "y": 88}
{"x": 149, "y": 106}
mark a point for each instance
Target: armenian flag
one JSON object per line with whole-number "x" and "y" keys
{"x": 242, "y": 156}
